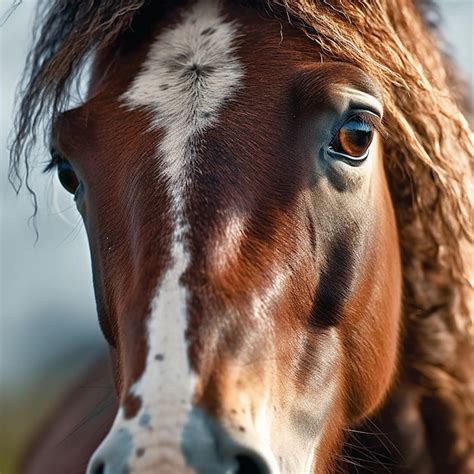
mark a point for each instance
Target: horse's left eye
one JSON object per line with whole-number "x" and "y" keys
{"x": 353, "y": 139}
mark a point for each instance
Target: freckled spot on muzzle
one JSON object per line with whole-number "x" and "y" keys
{"x": 144, "y": 420}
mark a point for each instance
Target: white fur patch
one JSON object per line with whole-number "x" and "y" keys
{"x": 185, "y": 80}
{"x": 190, "y": 72}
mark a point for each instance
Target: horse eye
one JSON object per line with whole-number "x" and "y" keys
{"x": 67, "y": 177}
{"x": 353, "y": 139}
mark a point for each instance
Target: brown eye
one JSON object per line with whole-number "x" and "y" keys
{"x": 353, "y": 139}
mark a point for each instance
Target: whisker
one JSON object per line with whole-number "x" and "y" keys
{"x": 387, "y": 438}
{"x": 59, "y": 212}
{"x": 83, "y": 465}
{"x": 372, "y": 458}
{"x": 99, "y": 408}
{"x": 73, "y": 234}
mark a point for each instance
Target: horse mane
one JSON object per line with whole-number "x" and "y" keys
{"x": 428, "y": 155}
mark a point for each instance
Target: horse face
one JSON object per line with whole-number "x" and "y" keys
{"x": 243, "y": 243}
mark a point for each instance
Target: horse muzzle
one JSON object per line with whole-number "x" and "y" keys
{"x": 204, "y": 447}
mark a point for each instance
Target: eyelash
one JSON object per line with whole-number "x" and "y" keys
{"x": 367, "y": 118}
{"x": 53, "y": 163}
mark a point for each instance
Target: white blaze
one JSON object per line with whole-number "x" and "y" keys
{"x": 190, "y": 72}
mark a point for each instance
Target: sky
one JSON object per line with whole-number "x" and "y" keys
{"x": 47, "y": 307}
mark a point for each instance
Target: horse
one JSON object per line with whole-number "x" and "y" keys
{"x": 276, "y": 197}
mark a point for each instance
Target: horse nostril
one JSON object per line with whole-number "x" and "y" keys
{"x": 248, "y": 465}
{"x": 99, "y": 468}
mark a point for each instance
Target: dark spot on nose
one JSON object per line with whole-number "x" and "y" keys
{"x": 241, "y": 428}
{"x": 144, "y": 420}
{"x": 159, "y": 357}
{"x": 140, "y": 452}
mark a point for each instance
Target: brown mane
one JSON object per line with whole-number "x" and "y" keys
{"x": 428, "y": 153}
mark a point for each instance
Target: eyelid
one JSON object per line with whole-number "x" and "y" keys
{"x": 354, "y": 161}
{"x": 56, "y": 158}
{"x": 365, "y": 116}
{"x": 369, "y": 118}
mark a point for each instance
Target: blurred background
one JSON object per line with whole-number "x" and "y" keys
{"x": 48, "y": 325}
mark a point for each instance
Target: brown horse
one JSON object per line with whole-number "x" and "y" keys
{"x": 275, "y": 195}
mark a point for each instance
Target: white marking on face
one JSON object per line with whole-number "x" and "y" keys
{"x": 190, "y": 73}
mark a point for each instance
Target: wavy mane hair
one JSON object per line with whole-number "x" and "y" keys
{"x": 428, "y": 156}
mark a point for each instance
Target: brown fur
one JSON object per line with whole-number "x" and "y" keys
{"x": 428, "y": 159}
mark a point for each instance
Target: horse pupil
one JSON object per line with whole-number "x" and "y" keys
{"x": 67, "y": 177}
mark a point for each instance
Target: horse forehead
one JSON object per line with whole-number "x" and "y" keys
{"x": 189, "y": 70}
